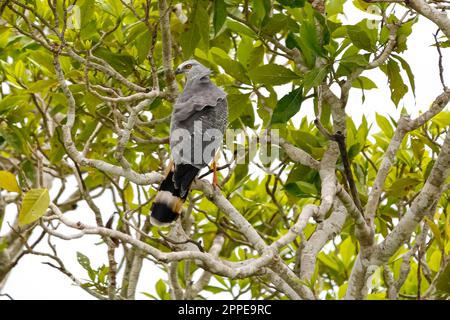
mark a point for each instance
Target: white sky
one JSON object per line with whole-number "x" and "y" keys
{"x": 30, "y": 279}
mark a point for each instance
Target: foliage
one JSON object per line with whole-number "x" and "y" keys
{"x": 247, "y": 49}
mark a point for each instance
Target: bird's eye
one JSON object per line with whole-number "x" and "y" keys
{"x": 188, "y": 66}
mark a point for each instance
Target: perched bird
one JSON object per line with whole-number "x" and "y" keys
{"x": 198, "y": 123}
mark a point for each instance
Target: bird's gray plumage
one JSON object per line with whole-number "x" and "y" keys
{"x": 202, "y": 111}
{"x": 198, "y": 123}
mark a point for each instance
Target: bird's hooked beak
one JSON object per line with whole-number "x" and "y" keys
{"x": 178, "y": 71}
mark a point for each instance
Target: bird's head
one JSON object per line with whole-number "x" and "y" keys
{"x": 192, "y": 68}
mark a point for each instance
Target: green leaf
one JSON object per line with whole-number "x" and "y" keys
{"x": 292, "y": 3}
{"x": 279, "y": 22}
{"x": 56, "y": 148}
{"x": 214, "y": 289}
{"x": 19, "y": 69}
{"x": 294, "y": 41}
{"x": 231, "y": 67}
{"x": 435, "y": 261}
{"x": 243, "y": 49}
{"x": 84, "y": 261}
{"x": 8, "y": 182}
{"x": 442, "y": 119}
{"x": 418, "y": 148}
{"x": 220, "y": 15}
{"x": 351, "y": 60}
{"x": 347, "y": 251}
{"x": 149, "y": 295}
{"x": 89, "y": 31}
{"x": 357, "y": 59}
{"x": 396, "y": 84}
{"x": 161, "y": 289}
{"x": 402, "y": 35}
{"x": 250, "y": 54}
{"x": 309, "y": 37}
{"x": 240, "y": 28}
{"x": 259, "y": 11}
{"x": 288, "y": 106}
{"x": 407, "y": 68}
{"x": 342, "y": 290}
{"x": 334, "y": 7}
{"x": 114, "y": 6}
{"x": 361, "y": 5}
{"x": 240, "y": 173}
{"x": 328, "y": 261}
{"x": 191, "y": 36}
{"x": 272, "y": 75}
{"x": 436, "y": 232}
{"x": 307, "y": 188}
{"x": 402, "y": 186}
{"x": 142, "y": 44}
{"x": 34, "y": 205}
{"x": 202, "y": 21}
{"x": 363, "y": 37}
{"x": 364, "y": 83}
{"x": 240, "y": 109}
{"x": 10, "y": 101}
{"x": 29, "y": 169}
{"x": 4, "y": 36}
{"x": 314, "y": 78}
{"x": 255, "y": 57}
{"x": 384, "y": 125}
{"x": 123, "y": 63}
{"x": 103, "y": 272}
{"x": 354, "y": 150}
{"x": 443, "y": 282}
{"x": 128, "y": 193}
{"x": 235, "y": 105}
{"x": 41, "y": 85}
{"x": 15, "y": 137}
{"x": 42, "y": 59}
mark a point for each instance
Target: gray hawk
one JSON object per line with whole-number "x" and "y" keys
{"x": 198, "y": 123}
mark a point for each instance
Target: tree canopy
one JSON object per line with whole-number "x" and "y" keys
{"x": 345, "y": 211}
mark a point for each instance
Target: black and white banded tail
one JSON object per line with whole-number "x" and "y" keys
{"x": 172, "y": 193}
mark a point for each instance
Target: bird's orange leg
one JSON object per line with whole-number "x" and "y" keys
{"x": 215, "y": 181}
{"x": 215, "y": 178}
{"x": 168, "y": 168}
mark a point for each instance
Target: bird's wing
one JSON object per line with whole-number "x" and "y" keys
{"x": 202, "y": 114}
{"x": 196, "y": 95}
{"x": 183, "y": 110}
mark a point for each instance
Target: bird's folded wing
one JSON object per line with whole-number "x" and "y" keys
{"x": 184, "y": 110}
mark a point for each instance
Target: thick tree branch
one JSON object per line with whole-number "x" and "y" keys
{"x": 422, "y": 206}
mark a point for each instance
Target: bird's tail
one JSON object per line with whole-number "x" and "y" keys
{"x": 172, "y": 193}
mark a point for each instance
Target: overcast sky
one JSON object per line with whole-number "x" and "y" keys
{"x": 30, "y": 279}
